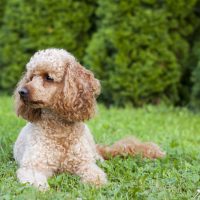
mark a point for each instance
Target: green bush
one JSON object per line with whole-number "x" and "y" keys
{"x": 2, "y": 6}
{"x": 195, "y": 98}
{"x": 188, "y": 19}
{"x": 195, "y": 79}
{"x": 28, "y": 26}
{"x": 140, "y": 48}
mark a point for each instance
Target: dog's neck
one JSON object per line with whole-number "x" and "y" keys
{"x": 57, "y": 125}
{"x": 52, "y": 117}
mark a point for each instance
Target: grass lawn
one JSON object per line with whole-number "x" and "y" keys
{"x": 177, "y": 176}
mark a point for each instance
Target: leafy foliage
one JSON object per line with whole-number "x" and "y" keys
{"x": 28, "y": 26}
{"x": 195, "y": 97}
{"x": 139, "y": 49}
{"x": 2, "y": 9}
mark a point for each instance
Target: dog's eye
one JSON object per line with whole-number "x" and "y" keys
{"x": 48, "y": 78}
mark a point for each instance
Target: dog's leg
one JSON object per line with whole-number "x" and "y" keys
{"x": 35, "y": 177}
{"x": 92, "y": 174}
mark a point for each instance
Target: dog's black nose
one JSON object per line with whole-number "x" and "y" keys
{"x": 23, "y": 92}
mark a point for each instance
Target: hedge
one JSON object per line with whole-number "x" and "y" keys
{"x": 28, "y": 26}
{"x": 195, "y": 78}
{"x": 139, "y": 49}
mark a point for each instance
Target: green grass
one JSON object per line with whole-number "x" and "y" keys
{"x": 177, "y": 176}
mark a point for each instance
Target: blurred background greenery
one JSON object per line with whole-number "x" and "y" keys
{"x": 143, "y": 51}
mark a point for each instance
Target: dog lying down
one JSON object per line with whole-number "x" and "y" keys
{"x": 56, "y": 95}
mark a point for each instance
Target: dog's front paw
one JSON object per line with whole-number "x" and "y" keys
{"x": 93, "y": 175}
{"x": 95, "y": 179}
{"x": 33, "y": 177}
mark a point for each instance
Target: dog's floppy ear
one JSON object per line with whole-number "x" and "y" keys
{"x": 79, "y": 94}
{"x": 23, "y": 110}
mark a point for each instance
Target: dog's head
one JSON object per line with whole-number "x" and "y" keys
{"x": 55, "y": 81}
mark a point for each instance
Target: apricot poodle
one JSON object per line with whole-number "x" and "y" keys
{"x": 56, "y": 95}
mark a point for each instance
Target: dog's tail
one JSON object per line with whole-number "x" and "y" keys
{"x": 130, "y": 146}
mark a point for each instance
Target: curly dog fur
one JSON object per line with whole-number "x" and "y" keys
{"x": 56, "y": 95}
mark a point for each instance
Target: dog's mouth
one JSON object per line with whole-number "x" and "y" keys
{"x": 32, "y": 103}
{"x": 36, "y": 102}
